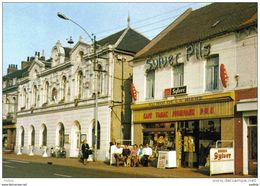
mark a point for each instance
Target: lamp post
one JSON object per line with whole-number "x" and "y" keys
{"x": 62, "y": 16}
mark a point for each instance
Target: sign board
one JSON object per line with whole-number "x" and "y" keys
{"x": 199, "y": 111}
{"x": 222, "y": 160}
{"x": 162, "y": 159}
{"x": 166, "y": 159}
{"x": 175, "y": 91}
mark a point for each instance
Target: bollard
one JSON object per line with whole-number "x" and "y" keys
{"x": 19, "y": 150}
{"x": 45, "y": 152}
{"x": 31, "y": 151}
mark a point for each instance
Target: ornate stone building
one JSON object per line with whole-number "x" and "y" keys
{"x": 56, "y": 101}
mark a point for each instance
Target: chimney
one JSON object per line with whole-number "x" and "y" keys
{"x": 11, "y": 68}
{"x": 24, "y": 64}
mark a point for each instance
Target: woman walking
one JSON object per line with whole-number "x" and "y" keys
{"x": 85, "y": 151}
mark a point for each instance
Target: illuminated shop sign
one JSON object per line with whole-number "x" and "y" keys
{"x": 199, "y": 50}
{"x": 175, "y": 91}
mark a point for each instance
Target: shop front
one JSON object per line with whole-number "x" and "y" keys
{"x": 190, "y": 126}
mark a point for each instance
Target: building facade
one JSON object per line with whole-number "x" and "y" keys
{"x": 192, "y": 85}
{"x": 56, "y": 101}
{"x": 9, "y": 107}
{"x": 9, "y": 103}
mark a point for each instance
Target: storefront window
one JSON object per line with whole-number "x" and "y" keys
{"x": 160, "y": 136}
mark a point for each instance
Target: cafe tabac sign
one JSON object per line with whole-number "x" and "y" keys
{"x": 199, "y": 50}
{"x": 201, "y": 107}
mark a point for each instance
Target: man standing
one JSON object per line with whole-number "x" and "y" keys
{"x": 147, "y": 153}
{"x": 118, "y": 153}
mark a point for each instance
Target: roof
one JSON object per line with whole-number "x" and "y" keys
{"x": 207, "y": 22}
{"x": 112, "y": 39}
{"x": 132, "y": 41}
{"x": 16, "y": 74}
{"x": 127, "y": 40}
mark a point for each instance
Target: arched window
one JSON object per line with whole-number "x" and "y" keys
{"x": 100, "y": 78}
{"x": 14, "y": 105}
{"x": 64, "y": 86}
{"x": 43, "y": 135}
{"x": 32, "y": 136}
{"x": 81, "y": 56}
{"x": 54, "y": 95}
{"x": 25, "y": 98}
{"x": 35, "y": 94}
{"x": 61, "y": 135}
{"x": 46, "y": 91}
{"x": 80, "y": 84}
{"x": 98, "y": 135}
{"x": 22, "y": 136}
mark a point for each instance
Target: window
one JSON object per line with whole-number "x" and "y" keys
{"x": 32, "y": 141}
{"x": 34, "y": 95}
{"x": 61, "y": 135}
{"x": 80, "y": 84}
{"x": 100, "y": 80}
{"x": 54, "y": 95}
{"x": 81, "y": 56}
{"x": 178, "y": 75}
{"x": 14, "y": 105}
{"x": 25, "y": 99}
{"x": 64, "y": 86}
{"x": 150, "y": 77}
{"x": 22, "y": 136}
{"x": 46, "y": 92}
{"x": 212, "y": 73}
{"x": 44, "y": 135}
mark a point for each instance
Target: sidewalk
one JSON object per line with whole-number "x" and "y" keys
{"x": 146, "y": 171}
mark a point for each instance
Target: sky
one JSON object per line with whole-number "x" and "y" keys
{"x": 29, "y": 27}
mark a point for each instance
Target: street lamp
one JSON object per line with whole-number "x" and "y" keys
{"x": 62, "y": 16}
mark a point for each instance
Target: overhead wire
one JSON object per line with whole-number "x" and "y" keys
{"x": 142, "y": 20}
{"x": 164, "y": 26}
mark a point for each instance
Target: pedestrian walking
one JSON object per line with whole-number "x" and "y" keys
{"x": 85, "y": 151}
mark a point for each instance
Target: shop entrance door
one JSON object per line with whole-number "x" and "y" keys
{"x": 190, "y": 143}
{"x": 252, "y": 149}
